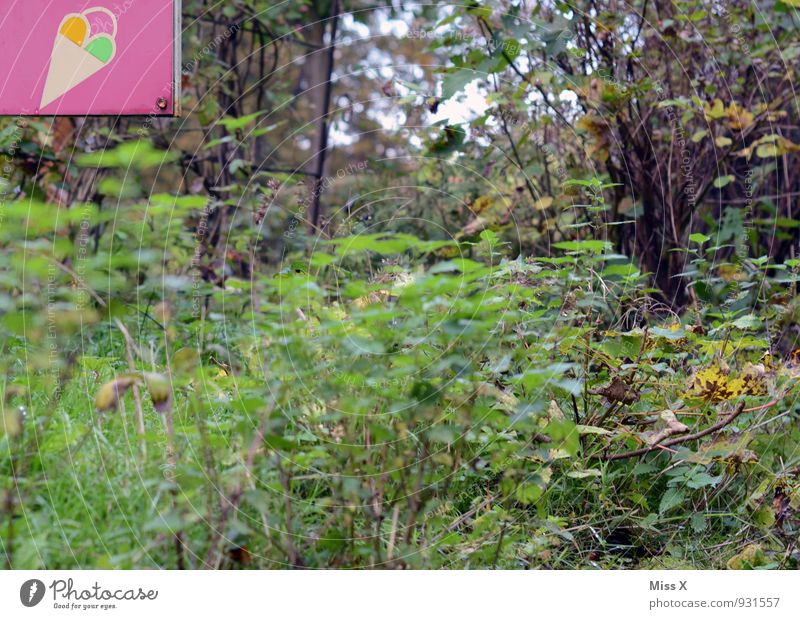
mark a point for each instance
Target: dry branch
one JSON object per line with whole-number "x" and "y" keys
{"x": 681, "y": 439}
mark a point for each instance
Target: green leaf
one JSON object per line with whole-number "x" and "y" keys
{"x": 564, "y": 435}
{"x": 722, "y": 181}
{"x": 594, "y": 246}
{"x": 591, "y": 430}
{"x": 136, "y": 154}
{"x": 701, "y": 480}
{"x": 457, "y": 81}
{"x": 749, "y": 321}
{"x": 583, "y": 474}
{"x": 232, "y": 124}
{"x": 178, "y": 203}
{"x": 671, "y": 498}
{"x": 385, "y": 244}
{"x": 699, "y": 523}
{"x": 480, "y": 11}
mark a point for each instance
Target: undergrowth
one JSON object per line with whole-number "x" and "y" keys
{"x": 390, "y": 402}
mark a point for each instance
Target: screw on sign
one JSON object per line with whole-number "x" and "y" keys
{"x": 96, "y": 57}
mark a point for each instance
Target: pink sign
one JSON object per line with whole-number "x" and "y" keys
{"x": 90, "y": 57}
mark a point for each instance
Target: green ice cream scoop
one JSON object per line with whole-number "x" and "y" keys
{"x": 101, "y": 48}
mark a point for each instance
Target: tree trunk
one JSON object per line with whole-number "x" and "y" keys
{"x": 319, "y": 73}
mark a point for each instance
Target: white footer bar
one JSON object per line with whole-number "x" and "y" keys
{"x": 397, "y": 594}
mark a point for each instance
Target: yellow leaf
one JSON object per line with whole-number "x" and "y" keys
{"x": 543, "y": 203}
{"x": 11, "y": 423}
{"x": 751, "y": 557}
{"x": 731, "y": 273}
{"x": 774, "y": 146}
{"x": 160, "y": 391}
{"x": 713, "y": 384}
{"x": 185, "y": 359}
{"x": 110, "y": 393}
{"x": 373, "y": 298}
{"x": 754, "y": 377}
{"x": 715, "y": 111}
{"x": 594, "y": 124}
{"x": 738, "y": 117}
{"x": 481, "y": 204}
{"x": 767, "y": 151}
{"x": 597, "y": 152}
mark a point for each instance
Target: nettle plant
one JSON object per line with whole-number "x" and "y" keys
{"x": 388, "y": 401}
{"x": 542, "y": 386}
{"x": 400, "y": 412}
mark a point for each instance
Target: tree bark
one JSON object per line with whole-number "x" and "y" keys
{"x": 319, "y": 74}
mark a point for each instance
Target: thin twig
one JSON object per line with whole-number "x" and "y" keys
{"x": 75, "y": 277}
{"x": 677, "y": 441}
{"x": 137, "y": 396}
{"x": 393, "y": 534}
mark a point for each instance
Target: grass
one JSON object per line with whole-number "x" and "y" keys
{"x": 467, "y": 418}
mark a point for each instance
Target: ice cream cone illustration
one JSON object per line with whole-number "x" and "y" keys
{"x": 76, "y": 54}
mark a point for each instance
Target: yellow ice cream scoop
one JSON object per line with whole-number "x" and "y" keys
{"x": 75, "y": 29}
